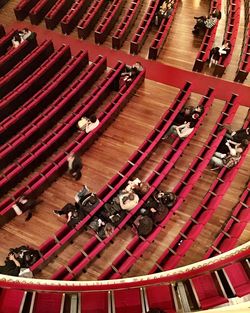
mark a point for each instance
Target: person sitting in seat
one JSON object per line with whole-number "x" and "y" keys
{"x": 158, "y": 206}
{"x": 204, "y": 23}
{"x": 219, "y": 52}
{"x": 184, "y": 130}
{"x": 16, "y": 40}
{"x": 130, "y": 73}
{"x": 185, "y": 115}
{"x": 137, "y": 186}
{"x": 75, "y": 165}
{"x": 88, "y": 124}
{"x": 128, "y": 200}
{"x": 23, "y": 204}
{"x": 230, "y": 158}
{"x": 27, "y": 34}
{"x": 238, "y": 135}
{"x": 164, "y": 12}
{"x": 73, "y": 213}
{"x": 143, "y": 225}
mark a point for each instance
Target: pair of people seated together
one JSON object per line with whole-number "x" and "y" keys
{"x": 22, "y": 35}
{"x": 128, "y": 75}
{"x": 18, "y": 261}
{"x": 88, "y": 124}
{"x": 114, "y": 211}
{"x": 184, "y": 122}
{"x": 228, "y": 153}
{"x": 219, "y": 52}
{"x": 165, "y": 11}
{"x": 154, "y": 211}
{"x": 203, "y": 23}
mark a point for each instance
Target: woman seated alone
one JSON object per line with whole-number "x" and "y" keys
{"x": 88, "y": 124}
{"x": 130, "y": 73}
{"x": 184, "y": 130}
{"x": 219, "y": 52}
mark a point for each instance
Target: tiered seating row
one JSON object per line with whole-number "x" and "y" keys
{"x": 138, "y": 244}
{"x": 95, "y": 244}
{"x": 73, "y": 16}
{"x": 108, "y": 21}
{"x": 23, "y": 8}
{"x": 194, "y": 172}
{"x": 19, "y": 74}
{"x": 244, "y": 64}
{"x": 236, "y": 224}
{"x": 199, "y": 218}
{"x": 5, "y": 41}
{"x": 202, "y": 289}
{"x": 143, "y": 29}
{"x": 88, "y": 22}
{"x": 208, "y": 40}
{"x": 37, "y": 183}
{"x": 161, "y": 35}
{"x": 38, "y": 12}
{"x": 54, "y": 245}
{"x": 230, "y": 35}
{"x": 57, "y": 12}
{"x": 49, "y": 93}
{"x": 14, "y": 56}
{"x": 126, "y": 24}
{"x": 46, "y": 145}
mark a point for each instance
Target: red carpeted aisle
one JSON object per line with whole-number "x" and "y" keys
{"x": 156, "y": 71}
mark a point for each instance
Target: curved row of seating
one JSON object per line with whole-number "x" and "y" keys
{"x": 172, "y": 255}
{"x": 23, "y": 8}
{"x": 208, "y": 40}
{"x": 57, "y": 12}
{"x": 74, "y": 94}
{"x": 73, "y": 16}
{"x": 65, "y": 234}
{"x": 227, "y": 238}
{"x": 49, "y": 142}
{"x": 14, "y": 55}
{"x": 90, "y": 19}
{"x": 138, "y": 245}
{"x": 189, "y": 291}
{"x": 41, "y": 180}
{"x": 38, "y": 12}
{"x": 126, "y": 24}
{"x": 142, "y": 30}
{"x": 25, "y": 67}
{"x": 244, "y": 64}
{"x": 108, "y": 21}
{"x": 230, "y": 35}
{"x": 94, "y": 246}
{"x": 47, "y": 94}
{"x": 5, "y": 41}
{"x": 161, "y": 35}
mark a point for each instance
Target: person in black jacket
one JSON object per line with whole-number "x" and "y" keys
{"x": 75, "y": 166}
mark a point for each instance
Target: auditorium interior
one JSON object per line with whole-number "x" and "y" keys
{"x": 77, "y": 63}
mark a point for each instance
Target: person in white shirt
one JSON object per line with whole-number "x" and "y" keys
{"x": 182, "y": 131}
{"x": 88, "y": 124}
{"x": 128, "y": 200}
{"x": 16, "y": 40}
